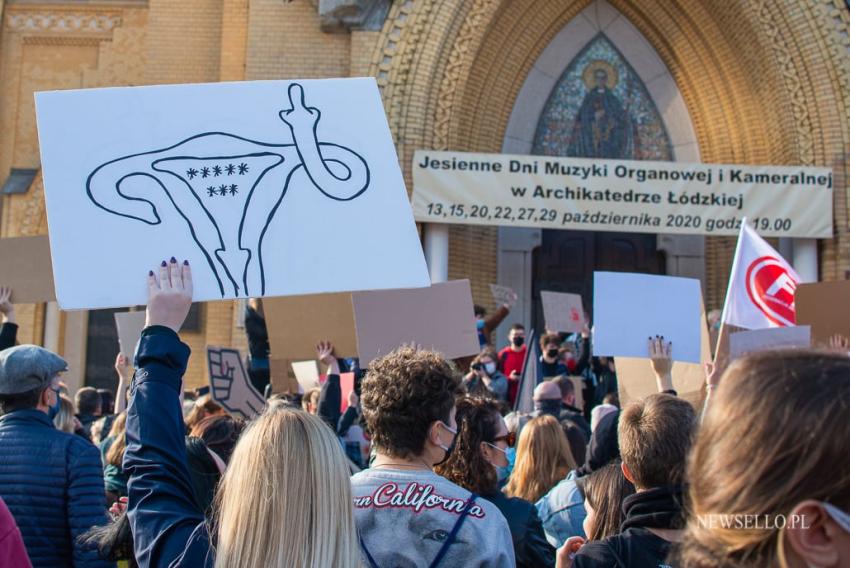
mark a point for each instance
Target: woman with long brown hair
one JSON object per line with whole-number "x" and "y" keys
{"x": 543, "y": 459}
{"x": 478, "y": 462}
{"x": 769, "y": 473}
{"x": 604, "y": 491}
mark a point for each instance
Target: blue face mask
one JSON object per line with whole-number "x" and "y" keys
{"x": 479, "y": 324}
{"x": 52, "y": 411}
{"x": 503, "y": 472}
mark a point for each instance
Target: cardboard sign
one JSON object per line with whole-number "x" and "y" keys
{"x": 629, "y": 308}
{"x": 440, "y": 318}
{"x": 25, "y": 268}
{"x": 503, "y": 296}
{"x": 825, "y": 306}
{"x": 636, "y": 380}
{"x": 297, "y": 323}
{"x": 306, "y": 373}
{"x": 562, "y": 312}
{"x": 130, "y": 326}
{"x": 232, "y": 177}
{"x": 229, "y": 383}
{"x": 752, "y": 341}
{"x": 346, "y": 383}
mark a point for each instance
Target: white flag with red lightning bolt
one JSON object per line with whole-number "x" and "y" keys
{"x": 761, "y": 285}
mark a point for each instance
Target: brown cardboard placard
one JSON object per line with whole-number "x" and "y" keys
{"x": 26, "y": 268}
{"x": 297, "y": 323}
{"x": 636, "y": 380}
{"x": 130, "y": 326}
{"x": 440, "y": 318}
{"x": 825, "y": 307}
{"x": 229, "y": 383}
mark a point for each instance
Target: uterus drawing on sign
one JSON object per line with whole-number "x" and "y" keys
{"x": 228, "y": 188}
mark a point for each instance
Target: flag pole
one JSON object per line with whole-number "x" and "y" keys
{"x": 723, "y": 333}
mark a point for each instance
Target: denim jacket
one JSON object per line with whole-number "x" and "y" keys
{"x": 562, "y": 511}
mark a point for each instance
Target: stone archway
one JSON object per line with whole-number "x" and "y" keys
{"x": 763, "y": 82}
{"x": 685, "y": 255}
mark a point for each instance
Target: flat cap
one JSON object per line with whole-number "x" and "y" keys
{"x": 28, "y": 367}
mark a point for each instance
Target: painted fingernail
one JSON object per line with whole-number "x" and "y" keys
{"x": 185, "y": 263}
{"x": 150, "y": 272}
{"x": 163, "y": 263}
{"x": 173, "y": 260}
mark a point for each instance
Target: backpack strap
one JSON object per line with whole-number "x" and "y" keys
{"x": 452, "y": 535}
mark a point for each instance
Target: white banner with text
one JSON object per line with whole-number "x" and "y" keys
{"x": 619, "y": 195}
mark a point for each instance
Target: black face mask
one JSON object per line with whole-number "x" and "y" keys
{"x": 518, "y": 341}
{"x": 551, "y": 353}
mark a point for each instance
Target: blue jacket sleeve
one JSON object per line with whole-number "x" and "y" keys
{"x": 163, "y": 516}
{"x": 86, "y": 501}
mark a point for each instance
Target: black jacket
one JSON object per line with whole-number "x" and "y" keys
{"x": 530, "y": 544}
{"x": 575, "y": 416}
{"x": 635, "y": 546}
{"x": 258, "y": 335}
{"x": 604, "y": 446}
{"x": 8, "y": 335}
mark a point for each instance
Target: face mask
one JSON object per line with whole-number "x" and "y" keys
{"x": 52, "y": 411}
{"x": 490, "y": 368}
{"x": 479, "y": 324}
{"x": 447, "y": 449}
{"x": 839, "y": 516}
{"x": 518, "y": 341}
{"x": 551, "y": 353}
{"x": 503, "y": 471}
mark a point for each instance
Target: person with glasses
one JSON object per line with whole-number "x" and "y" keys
{"x": 53, "y": 480}
{"x": 481, "y": 461}
{"x": 406, "y": 514}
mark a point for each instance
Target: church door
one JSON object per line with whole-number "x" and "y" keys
{"x": 566, "y": 261}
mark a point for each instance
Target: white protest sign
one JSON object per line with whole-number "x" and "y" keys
{"x": 229, "y": 384}
{"x": 306, "y": 373}
{"x": 562, "y": 312}
{"x": 503, "y": 295}
{"x": 629, "y": 308}
{"x": 130, "y": 326}
{"x": 752, "y": 341}
{"x": 620, "y": 195}
{"x": 250, "y": 181}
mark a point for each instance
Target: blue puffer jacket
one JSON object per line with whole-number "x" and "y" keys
{"x": 52, "y": 483}
{"x": 168, "y": 528}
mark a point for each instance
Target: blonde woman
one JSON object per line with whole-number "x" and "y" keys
{"x": 285, "y": 499}
{"x": 65, "y": 419}
{"x": 543, "y": 459}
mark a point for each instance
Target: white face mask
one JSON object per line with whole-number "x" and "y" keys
{"x": 490, "y": 368}
{"x": 839, "y": 516}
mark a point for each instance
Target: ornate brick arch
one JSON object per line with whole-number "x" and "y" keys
{"x": 764, "y": 82}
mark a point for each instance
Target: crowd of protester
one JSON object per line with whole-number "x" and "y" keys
{"x": 428, "y": 465}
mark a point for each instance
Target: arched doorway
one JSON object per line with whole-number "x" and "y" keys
{"x": 597, "y": 104}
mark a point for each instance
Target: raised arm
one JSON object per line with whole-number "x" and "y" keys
{"x": 338, "y": 172}
{"x": 162, "y": 511}
{"x": 661, "y": 356}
